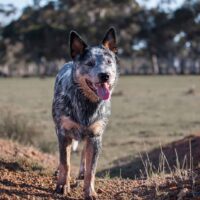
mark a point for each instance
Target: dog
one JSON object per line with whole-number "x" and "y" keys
{"x": 81, "y": 105}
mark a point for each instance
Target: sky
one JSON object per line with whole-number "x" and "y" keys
{"x": 153, "y": 3}
{"x": 20, "y": 4}
{"x": 148, "y": 3}
{"x": 17, "y": 3}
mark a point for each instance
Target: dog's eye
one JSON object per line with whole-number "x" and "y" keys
{"x": 108, "y": 61}
{"x": 90, "y": 63}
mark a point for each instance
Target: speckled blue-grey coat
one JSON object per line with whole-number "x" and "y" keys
{"x": 81, "y": 105}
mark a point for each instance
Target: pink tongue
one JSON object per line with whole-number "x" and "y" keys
{"x": 103, "y": 91}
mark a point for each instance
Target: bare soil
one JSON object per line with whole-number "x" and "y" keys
{"x": 22, "y": 178}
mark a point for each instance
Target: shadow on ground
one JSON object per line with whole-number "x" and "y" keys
{"x": 181, "y": 154}
{"x": 13, "y": 166}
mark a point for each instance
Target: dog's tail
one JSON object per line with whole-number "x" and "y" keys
{"x": 74, "y": 145}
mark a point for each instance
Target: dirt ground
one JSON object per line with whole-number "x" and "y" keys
{"x": 26, "y": 173}
{"x": 17, "y": 183}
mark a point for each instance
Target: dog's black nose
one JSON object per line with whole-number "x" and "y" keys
{"x": 103, "y": 77}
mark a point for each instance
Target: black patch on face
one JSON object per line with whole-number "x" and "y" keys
{"x": 85, "y": 61}
{"x": 86, "y": 54}
{"x": 94, "y": 57}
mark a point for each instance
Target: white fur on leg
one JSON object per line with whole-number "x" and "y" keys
{"x": 74, "y": 145}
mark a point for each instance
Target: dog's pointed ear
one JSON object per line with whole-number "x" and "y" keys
{"x": 110, "y": 40}
{"x": 77, "y": 45}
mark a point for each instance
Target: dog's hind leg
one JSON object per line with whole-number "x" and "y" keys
{"x": 63, "y": 182}
{"x": 93, "y": 146}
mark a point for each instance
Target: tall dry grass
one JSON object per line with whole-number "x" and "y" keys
{"x": 18, "y": 127}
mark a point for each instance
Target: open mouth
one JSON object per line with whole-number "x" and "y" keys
{"x": 102, "y": 90}
{"x": 90, "y": 85}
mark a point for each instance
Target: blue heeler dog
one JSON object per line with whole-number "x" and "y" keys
{"x": 81, "y": 105}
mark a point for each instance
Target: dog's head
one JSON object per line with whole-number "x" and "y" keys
{"x": 95, "y": 68}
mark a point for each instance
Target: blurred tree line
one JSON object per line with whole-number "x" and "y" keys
{"x": 151, "y": 41}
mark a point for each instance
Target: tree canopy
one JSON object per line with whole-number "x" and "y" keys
{"x": 159, "y": 36}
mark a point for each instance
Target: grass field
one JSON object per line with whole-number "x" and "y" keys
{"x": 146, "y": 112}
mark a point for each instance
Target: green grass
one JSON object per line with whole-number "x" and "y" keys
{"x": 151, "y": 111}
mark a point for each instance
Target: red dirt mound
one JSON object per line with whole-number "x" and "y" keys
{"x": 12, "y": 150}
{"x": 17, "y": 181}
{"x": 184, "y": 154}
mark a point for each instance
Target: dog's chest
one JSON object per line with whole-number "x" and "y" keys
{"x": 85, "y": 114}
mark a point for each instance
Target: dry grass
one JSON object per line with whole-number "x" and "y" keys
{"x": 148, "y": 112}
{"x": 18, "y": 128}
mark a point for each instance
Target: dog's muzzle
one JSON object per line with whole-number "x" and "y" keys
{"x": 103, "y": 77}
{"x": 102, "y": 87}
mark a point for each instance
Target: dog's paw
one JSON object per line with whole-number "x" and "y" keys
{"x": 62, "y": 189}
{"x": 80, "y": 176}
{"x": 66, "y": 190}
{"x": 59, "y": 189}
{"x": 92, "y": 195}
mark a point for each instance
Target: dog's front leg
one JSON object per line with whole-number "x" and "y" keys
{"x": 92, "y": 149}
{"x": 94, "y": 130}
{"x": 82, "y": 164}
{"x": 68, "y": 123}
{"x": 65, "y": 142}
{"x": 63, "y": 182}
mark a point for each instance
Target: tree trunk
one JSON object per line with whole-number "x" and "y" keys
{"x": 155, "y": 67}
